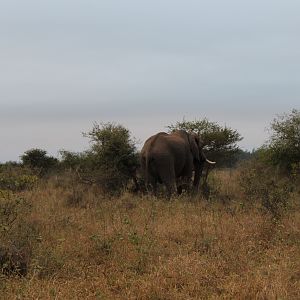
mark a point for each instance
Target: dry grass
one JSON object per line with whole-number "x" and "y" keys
{"x": 87, "y": 247}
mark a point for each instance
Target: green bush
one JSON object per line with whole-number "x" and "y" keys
{"x": 11, "y": 209}
{"x": 15, "y": 177}
{"x": 39, "y": 161}
{"x": 283, "y": 147}
{"x": 112, "y": 160}
{"x": 17, "y": 182}
{"x": 17, "y": 235}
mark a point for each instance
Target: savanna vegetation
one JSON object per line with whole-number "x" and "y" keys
{"x": 83, "y": 227}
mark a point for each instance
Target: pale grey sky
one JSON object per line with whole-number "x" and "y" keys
{"x": 145, "y": 64}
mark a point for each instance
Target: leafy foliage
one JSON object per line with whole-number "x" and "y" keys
{"x": 112, "y": 159}
{"x": 219, "y": 142}
{"x": 9, "y": 209}
{"x": 113, "y": 147}
{"x": 14, "y": 238}
{"x": 17, "y": 183}
{"x": 15, "y": 177}
{"x": 283, "y": 147}
{"x": 38, "y": 160}
{"x": 73, "y": 160}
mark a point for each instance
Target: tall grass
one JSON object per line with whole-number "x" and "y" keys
{"x": 86, "y": 246}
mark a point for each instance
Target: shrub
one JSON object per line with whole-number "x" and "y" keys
{"x": 10, "y": 208}
{"x": 73, "y": 160}
{"x": 13, "y": 261}
{"x": 112, "y": 160}
{"x": 17, "y": 182}
{"x": 15, "y": 177}
{"x": 283, "y": 147}
{"x": 14, "y": 238}
{"x": 39, "y": 161}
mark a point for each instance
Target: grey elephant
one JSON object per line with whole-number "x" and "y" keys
{"x": 166, "y": 158}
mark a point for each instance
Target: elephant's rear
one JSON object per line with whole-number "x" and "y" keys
{"x": 148, "y": 157}
{"x": 145, "y": 160}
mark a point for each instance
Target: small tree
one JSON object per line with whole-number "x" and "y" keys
{"x": 73, "y": 160}
{"x": 113, "y": 156}
{"x": 38, "y": 160}
{"x": 283, "y": 147}
{"x": 220, "y": 142}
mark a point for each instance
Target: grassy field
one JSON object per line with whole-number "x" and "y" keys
{"x": 87, "y": 246}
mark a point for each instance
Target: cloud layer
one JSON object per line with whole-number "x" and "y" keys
{"x": 66, "y": 64}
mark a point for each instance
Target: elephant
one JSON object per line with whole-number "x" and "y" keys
{"x": 167, "y": 158}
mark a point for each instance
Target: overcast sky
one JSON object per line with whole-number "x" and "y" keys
{"x": 65, "y": 64}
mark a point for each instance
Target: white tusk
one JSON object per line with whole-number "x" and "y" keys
{"x": 210, "y": 162}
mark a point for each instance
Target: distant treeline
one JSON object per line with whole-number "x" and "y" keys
{"x": 112, "y": 160}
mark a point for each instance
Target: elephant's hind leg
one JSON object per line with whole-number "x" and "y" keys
{"x": 152, "y": 185}
{"x": 168, "y": 178}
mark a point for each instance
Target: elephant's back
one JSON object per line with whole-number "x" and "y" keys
{"x": 152, "y": 142}
{"x": 167, "y": 146}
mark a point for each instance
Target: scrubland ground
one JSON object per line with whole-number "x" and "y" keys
{"x": 84, "y": 245}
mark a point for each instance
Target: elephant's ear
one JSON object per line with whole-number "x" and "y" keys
{"x": 194, "y": 146}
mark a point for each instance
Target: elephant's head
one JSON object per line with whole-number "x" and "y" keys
{"x": 196, "y": 145}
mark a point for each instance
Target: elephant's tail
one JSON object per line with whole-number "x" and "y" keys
{"x": 147, "y": 170}
{"x": 147, "y": 160}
